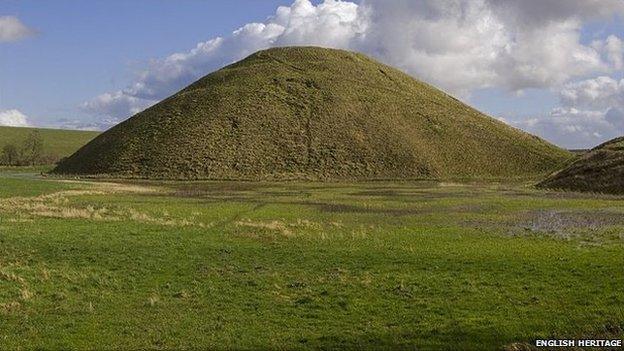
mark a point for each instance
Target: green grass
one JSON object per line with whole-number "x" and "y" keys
{"x": 312, "y": 113}
{"x": 241, "y": 265}
{"x": 57, "y": 143}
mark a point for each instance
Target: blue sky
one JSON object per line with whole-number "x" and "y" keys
{"x": 85, "y": 48}
{"x": 551, "y": 67}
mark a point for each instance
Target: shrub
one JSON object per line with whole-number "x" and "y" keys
{"x": 10, "y": 155}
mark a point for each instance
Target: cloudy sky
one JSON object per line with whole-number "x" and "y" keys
{"x": 551, "y": 67}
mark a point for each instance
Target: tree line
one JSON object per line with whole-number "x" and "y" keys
{"x": 27, "y": 153}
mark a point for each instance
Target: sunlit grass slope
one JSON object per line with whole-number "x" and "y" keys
{"x": 57, "y": 143}
{"x": 313, "y": 113}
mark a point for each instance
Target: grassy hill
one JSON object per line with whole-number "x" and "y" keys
{"x": 313, "y": 113}
{"x": 57, "y": 143}
{"x": 601, "y": 170}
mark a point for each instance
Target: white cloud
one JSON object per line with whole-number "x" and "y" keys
{"x": 116, "y": 104}
{"x": 448, "y": 43}
{"x": 12, "y": 29}
{"x": 458, "y": 45}
{"x": 615, "y": 116}
{"x": 613, "y": 50}
{"x": 538, "y": 12}
{"x": 13, "y": 118}
{"x": 466, "y": 45}
{"x": 331, "y": 24}
{"x": 591, "y": 111}
{"x": 598, "y": 93}
{"x": 77, "y": 124}
{"x": 569, "y": 127}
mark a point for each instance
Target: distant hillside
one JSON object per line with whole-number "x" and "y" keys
{"x": 56, "y": 143}
{"x": 578, "y": 151}
{"x": 600, "y": 170}
{"x": 313, "y": 113}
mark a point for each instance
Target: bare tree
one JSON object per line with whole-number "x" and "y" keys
{"x": 32, "y": 150}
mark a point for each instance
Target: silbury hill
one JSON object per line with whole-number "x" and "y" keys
{"x": 601, "y": 170}
{"x": 312, "y": 113}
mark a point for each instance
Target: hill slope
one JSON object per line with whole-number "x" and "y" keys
{"x": 313, "y": 113}
{"x": 601, "y": 170}
{"x": 57, "y": 143}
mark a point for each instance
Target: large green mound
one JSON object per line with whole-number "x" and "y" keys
{"x": 313, "y": 113}
{"x": 601, "y": 170}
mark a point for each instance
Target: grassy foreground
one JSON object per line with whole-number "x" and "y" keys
{"x": 223, "y": 265}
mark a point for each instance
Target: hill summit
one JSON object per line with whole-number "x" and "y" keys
{"x": 312, "y": 113}
{"x": 601, "y": 170}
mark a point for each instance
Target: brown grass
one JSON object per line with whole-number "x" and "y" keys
{"x": 58, "y": 205}
{"x": 276, "y": 226}
{"x": 9, "y": 307}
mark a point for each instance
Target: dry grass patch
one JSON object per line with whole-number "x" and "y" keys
{"x": 17, "y": 282}
{"x": 57, "y": 205}
{"x": 153, "y": 300}
{"x": 275, "y": 226}
{"x": 280, "y": 226}
{"x": 25, "y": 294}
{"x": 11, "y": 277}
{"x": 9, "y": 307}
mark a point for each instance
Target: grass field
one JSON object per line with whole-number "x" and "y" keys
{"x": 240, "y": 265}
{"x": 58, "y": 143}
